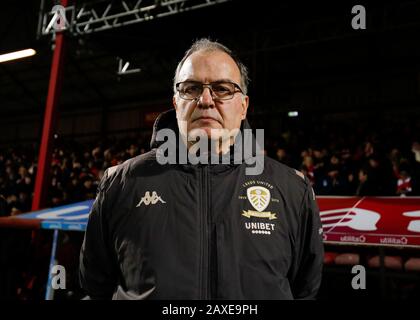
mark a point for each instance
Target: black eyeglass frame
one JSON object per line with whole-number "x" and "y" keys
{"x": 209, "y": 85}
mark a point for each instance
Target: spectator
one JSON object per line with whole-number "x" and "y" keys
{"x": 366, "y": 186}
{"x": 404, "y": 187}
{"x": 308, "y": 167}
{"x": 282, "y": 156}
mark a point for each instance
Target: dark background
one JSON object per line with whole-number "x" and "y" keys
{"x": 301, "y": 57}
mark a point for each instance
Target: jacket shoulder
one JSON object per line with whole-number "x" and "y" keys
{"x": 144, "y": 165}
{"x": 283, "y": 173}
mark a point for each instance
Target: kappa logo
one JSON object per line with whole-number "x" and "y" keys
{"x": 150, "y": 199}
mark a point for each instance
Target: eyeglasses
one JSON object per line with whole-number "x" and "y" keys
{"x": 220, "y": 90}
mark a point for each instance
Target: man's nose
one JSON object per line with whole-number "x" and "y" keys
{"x": 206, "y": 99}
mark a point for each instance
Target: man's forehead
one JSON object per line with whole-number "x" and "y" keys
{"x": 212, "y": 65}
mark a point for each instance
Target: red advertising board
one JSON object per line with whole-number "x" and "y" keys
{"x": 387, "y": 221}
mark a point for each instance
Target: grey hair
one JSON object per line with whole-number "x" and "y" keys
{"x": 206, "y": 44}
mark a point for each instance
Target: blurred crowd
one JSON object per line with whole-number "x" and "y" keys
{"x": 76, "y": 170}
{"x": 337, "y": 166}
{"x": 364, "y": 157}
{"x": 361, "y": 172}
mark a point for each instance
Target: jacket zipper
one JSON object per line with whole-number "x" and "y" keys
{"x": 206, "y": 240}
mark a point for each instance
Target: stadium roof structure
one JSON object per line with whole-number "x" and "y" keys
{"x": 306, "y": 56}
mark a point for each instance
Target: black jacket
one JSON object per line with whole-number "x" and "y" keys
{"x": 191, "y": 232}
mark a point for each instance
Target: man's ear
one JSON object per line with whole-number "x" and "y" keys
{"x": 174, "y": 102}
{"x": 245, "y": 103}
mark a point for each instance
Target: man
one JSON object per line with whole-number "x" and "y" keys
{"x": 203, "y": 231}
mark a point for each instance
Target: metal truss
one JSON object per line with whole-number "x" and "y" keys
{"x": 105, "y": 15}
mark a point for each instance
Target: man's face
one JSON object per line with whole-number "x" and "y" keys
{"x": 205, "y": 113}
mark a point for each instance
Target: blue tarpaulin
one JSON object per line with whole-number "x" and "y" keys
{"x": 69, "y": 217}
